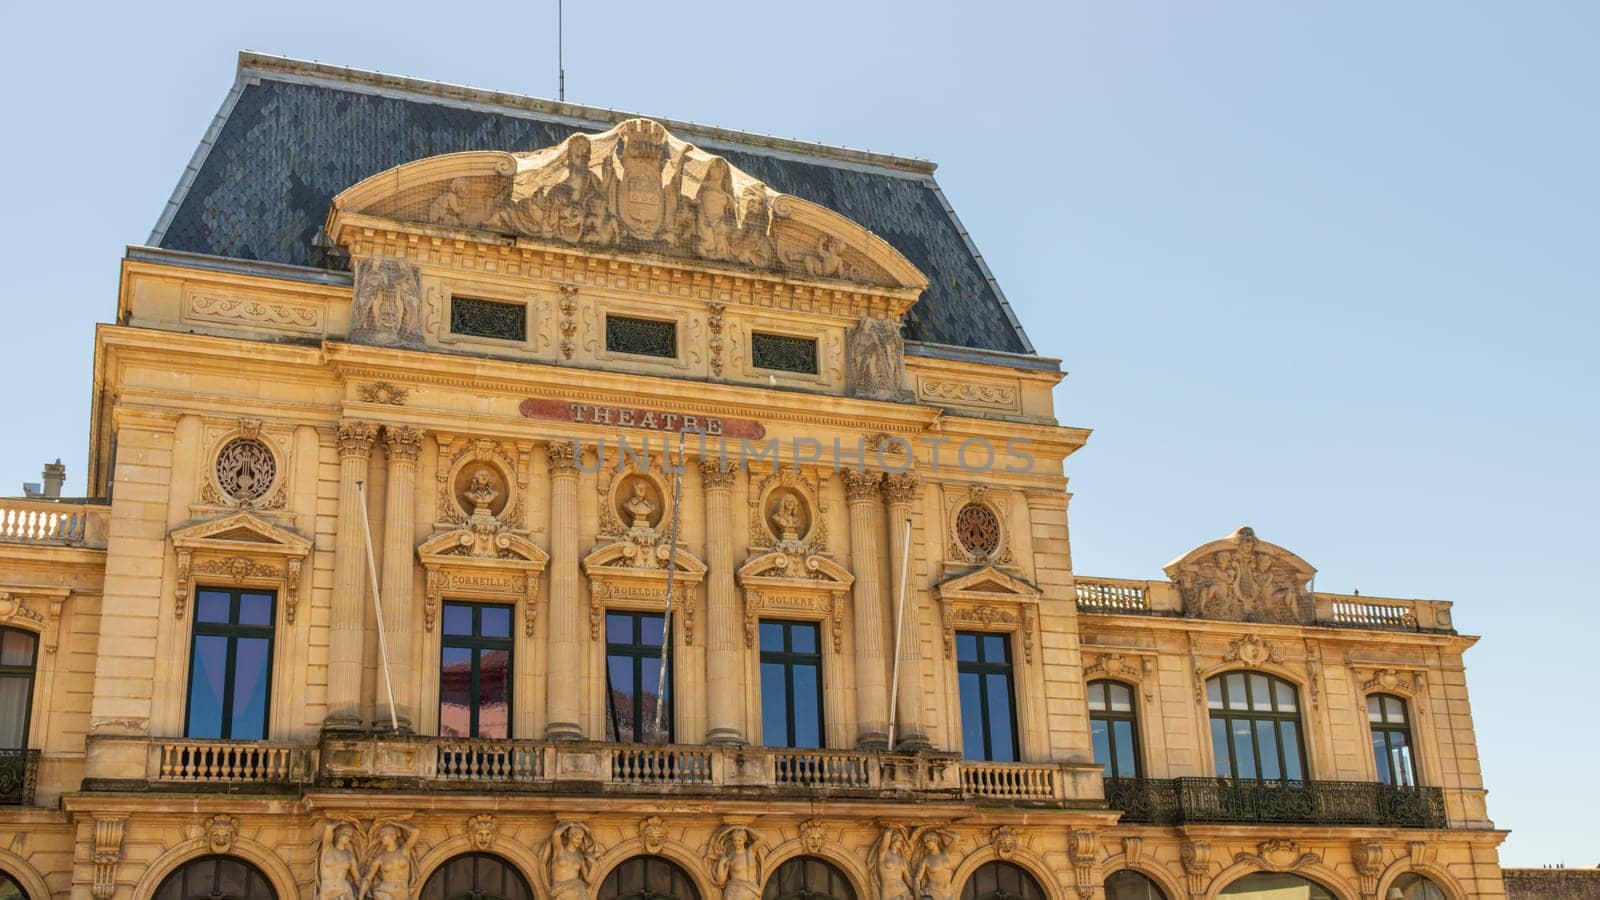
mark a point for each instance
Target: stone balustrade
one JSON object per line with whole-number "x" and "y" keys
{"x": 52, "y": 523}
{"x": 229, "y": 762}
{"x": 1125, "y": 597}
{"x": 1113, "y": 595}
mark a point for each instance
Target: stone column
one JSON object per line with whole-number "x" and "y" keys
{"x": 899, "y": 489}
{"x": 399, "y": 567}
{"x": 566, "y": 630}
{"x": 347, "y": 619}
{"x": 724, "y": 667}
{"x": 872, "y": 644}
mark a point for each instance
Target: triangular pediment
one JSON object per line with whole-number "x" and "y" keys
{"x": 795, "y": 570}
{"x": 989, "y": 583}
{"x": 241, "y": 531}
{"x": 635, "y": 189}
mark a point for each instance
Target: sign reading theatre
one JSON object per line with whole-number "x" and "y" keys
{"x": 635, "y": 417}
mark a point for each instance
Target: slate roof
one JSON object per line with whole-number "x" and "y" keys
{"x": 293, "y": 134}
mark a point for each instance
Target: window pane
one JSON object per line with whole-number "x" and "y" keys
{"x": 1374, "y": 708}
{"x": 496, "y": 621}
{"x": 255, "y": 609}
{"x": 1267, "y": 745}
{"x": 1260, "y": 693}
{"x": 1286, "y": 698}
{"x": 807, "y": 718}
{"x": 650, "y": 670}
{"x": 650, "y": 631}
{"x": 1130, "y": 885}
{"x": 966, "y": 648}
{"x": 1097, "y": 696}
{"x": 772, "y": 637}
{"x": 455, "y": 691}
{"x": 252, "y": 669}
{"x": 1380, "y": 754}
{"x": 1400, "y": 748}
{"x": 1127, "y": 759}
{"x": 494, "y": 693}
{"x": 994, "y": 648}
{"x": 774, "y": 705}
{"x": 1290, "y": 734}
{"x": 1121, "y": 697}
{"x": 620, "y": 669}
{"x": 1100, "y": 736}
{"x": 1220, "y": 748}
{"x": 1214, "y": 693}
{"x": 17, "y": 648}
{"x": 457, "y": 619}
{"x": 1394, "y": 709}
{"x": 14, "y": 691}
{"x": 971, "y": 716}
{"x": 1243, "y": 748}
{"x": 803, "y": 638}
{"x": 208, "y": 672}
{"x": 1234, "y": 683}
{"x": 1001, "y": 747}
{"x": 213, "y": 606}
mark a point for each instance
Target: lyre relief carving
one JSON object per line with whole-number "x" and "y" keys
{"x": 387, "y": 305}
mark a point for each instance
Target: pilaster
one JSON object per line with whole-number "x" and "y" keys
{"x": 346, "y": 640}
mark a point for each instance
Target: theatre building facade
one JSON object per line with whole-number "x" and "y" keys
{"x": 420, "y": 403}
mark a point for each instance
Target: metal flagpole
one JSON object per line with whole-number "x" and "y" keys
{"x": 672, "y": 568}
{"x": 561, "y": 52}
{"x": 899, "y": 626}
{"x": 377, "y": 607}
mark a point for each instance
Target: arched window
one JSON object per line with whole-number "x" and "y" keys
{"x": 476, "y": 876}
{"x": 1255, "y": 727}
{"x": 1001, "y": 881}
{"x": 215, "y": 878}
{"x": 1130, "y": 885}
{"x": 1391, "y": 740}
{"x": 1277, "y": 886}
{"x": 10, "y": 889}
{"x": 808, "y": 878}
{"x": 1114, "y": 727}
{"x": 18, "y": 652}
{"x": 1412, "y": 886}
{"x": 647, "y": 878}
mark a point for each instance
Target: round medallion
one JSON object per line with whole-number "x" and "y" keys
{"x": 245, "y": 469}
{"x": 480, "y": 490}
{"x": 978, "y": 530}
{"x": 639, "y": 502}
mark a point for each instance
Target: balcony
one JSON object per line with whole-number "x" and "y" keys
{"x": 19, "y": 771}
{"x": 1188, "y": 801}
{"x": 1127, "y": 597}
{"x": 52, "y": 523}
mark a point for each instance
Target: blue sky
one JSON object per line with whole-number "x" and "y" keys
{"x": 1328, "y": 271}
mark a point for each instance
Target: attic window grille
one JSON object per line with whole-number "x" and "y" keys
{"x": 488, "y": 319}
{"x": 783, "y": 353}
{"x": 641, "y": 337}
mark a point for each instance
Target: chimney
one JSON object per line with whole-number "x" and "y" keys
{"x": 55, "y": 475}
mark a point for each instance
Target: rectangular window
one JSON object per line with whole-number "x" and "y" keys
{"x": 475, "y": 671}
{"x": 489, "y": 319}
{"x": 230, "y": 665}
{"x": 641, "y": 337}
{"x": 783, "y": 353}
{"x": 988, "y": 717}
{"x": 791, "y": 684}
{"x": 19, "y": 651}
{"x": 633, "y": 672}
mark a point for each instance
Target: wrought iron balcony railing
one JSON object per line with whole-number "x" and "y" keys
{"x": 19, "y": 770}
{"x": 1182, "y": 801}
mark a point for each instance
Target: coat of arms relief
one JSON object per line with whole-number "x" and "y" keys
{"x": 1242, "y": 578}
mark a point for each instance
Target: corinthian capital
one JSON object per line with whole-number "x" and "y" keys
{"x": 563, "y": 457}
{"x": 860, "y": 486}
{"x": 355, "y": 439}
{"x": 900, "y": 488}
{"x": 403, "y": 442}
{"x": 718, "y": 473}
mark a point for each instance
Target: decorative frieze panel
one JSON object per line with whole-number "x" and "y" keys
{"x": 943, "y": 390}
{"x": 1244, "y": 579}
{"x": 241, "y": 549}
{"x": 989, "y": 600}
{"x": 204, "y": 305}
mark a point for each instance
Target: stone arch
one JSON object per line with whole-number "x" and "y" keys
{"x": 830, "y": 852}
{"x": 681, "y": 856}
{"x": 258, "y": 855}
{"x": 521, "y": 859}
{"x": 1440, "y": 876}
{"x": 24, "y": 875}
{"x": 1166, "y": 881}
{"x": 1022, "y": 858}
{"x": 1312, "y": 871}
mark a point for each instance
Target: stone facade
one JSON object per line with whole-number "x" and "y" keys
{"x": 1552, "y": 884}
{"x": 252, "y": 424}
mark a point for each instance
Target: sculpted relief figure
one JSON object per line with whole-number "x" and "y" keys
{"x": 389, "y": 875}
{"x": 570, "y": 859}
{"x": 386, "y": 308}
{"x": 935, "y": 872}
{"x": 736, "y": 867}
{"x": 788, "y": 518}
{"x": 639, "y": 504}
{"x": 877, "y": 354}
{"x": 893, "y": 857}
{"x": 338, "y": 870}
{"x": 1242, "y": 578}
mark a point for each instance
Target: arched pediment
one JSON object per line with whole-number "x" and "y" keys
{"x": 817, "y": 572}
{"x": 487, "y": 565}
{"x": 644, "y": 557}
{"x": 634, "y": 189}
{"x": 632, "y": 574}
{"x": 1242, "y": 578}
{"x": 794, "y": 584}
